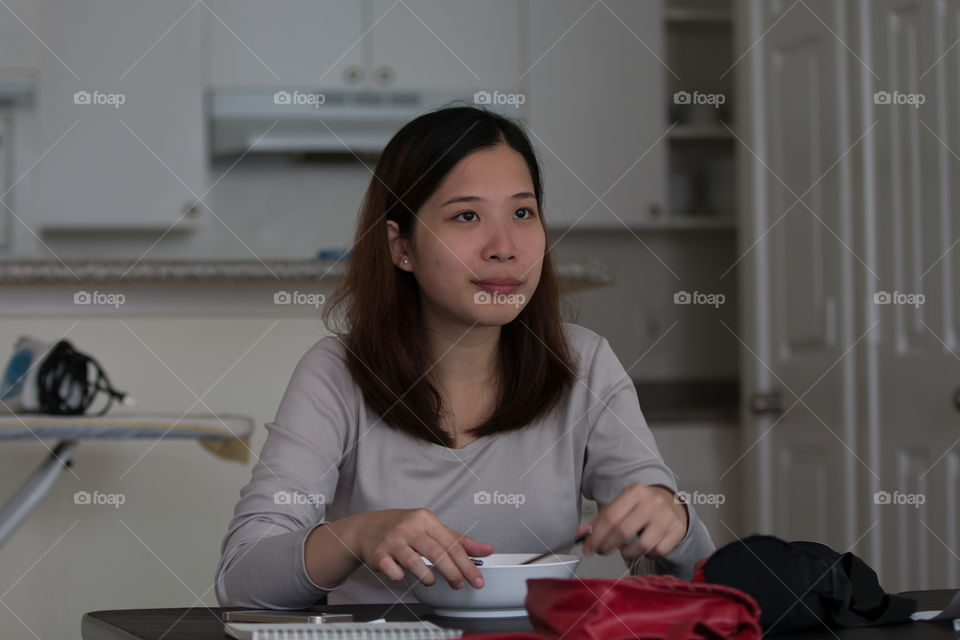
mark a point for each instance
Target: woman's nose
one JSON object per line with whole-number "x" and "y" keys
{"x": 501, "y": 245}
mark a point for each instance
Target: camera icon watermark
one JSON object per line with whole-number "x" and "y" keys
{"x": 897, "y": 98}
{"x": 114, "y": 100}
{"x": 99, "y": 298}
{"x": 897, "y": 498}
{"x": 697, "y": 297}
{"x": 486, "y": 297}
{"x": 87, "y": 498}
{"x": 485, "y": 497}
{"x": 300, "y": 298}
{"x": 696, "y": 97}
{"x": 911, "y": 299}
{"x": 498, "y": 98}
{"x": 299, "y": 98}
{"x": 295, "y": 497}
{"x": 696, "y": 498}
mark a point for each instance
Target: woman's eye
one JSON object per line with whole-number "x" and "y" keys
{"x": 525, "y": 210}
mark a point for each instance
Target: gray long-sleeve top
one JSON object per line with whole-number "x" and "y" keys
{"x": 328, "y": 456}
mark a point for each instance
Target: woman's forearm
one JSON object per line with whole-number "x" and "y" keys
{"x": 329, "y": 552}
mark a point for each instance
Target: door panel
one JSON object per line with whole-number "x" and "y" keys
{"x": 803, "y": 307}
{"x": 797, "y": 110}
{"x": 916, "y": 416}
{"x": 804, "y": 484}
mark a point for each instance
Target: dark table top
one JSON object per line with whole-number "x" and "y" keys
{"x": 200, "y": 623}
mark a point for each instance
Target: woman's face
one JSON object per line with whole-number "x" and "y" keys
{"x": 478, "y": 242}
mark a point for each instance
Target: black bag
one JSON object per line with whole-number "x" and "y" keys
{"x": 804, "y": 584}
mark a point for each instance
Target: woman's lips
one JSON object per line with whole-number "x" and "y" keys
{"x": 498, "y": 288}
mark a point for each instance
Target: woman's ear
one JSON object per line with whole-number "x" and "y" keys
{"x": 398, "y": 247}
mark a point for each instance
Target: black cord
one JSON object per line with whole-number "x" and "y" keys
{"x": 63, "y": 385}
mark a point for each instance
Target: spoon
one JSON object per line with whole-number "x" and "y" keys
{"x": 576, "y": 540}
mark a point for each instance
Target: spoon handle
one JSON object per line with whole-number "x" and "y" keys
{"x": 576, "y": 540}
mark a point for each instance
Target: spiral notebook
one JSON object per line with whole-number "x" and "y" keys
{"x": 418, "y": 630}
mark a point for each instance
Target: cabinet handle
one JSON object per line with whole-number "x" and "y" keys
{"x": 771, "y": 402}
{"x": 384, "y": 75}
{"x": 191, "y": 209}
{"x": 352, "y": 74}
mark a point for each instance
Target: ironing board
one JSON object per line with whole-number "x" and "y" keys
{"x": 226, "y": 437}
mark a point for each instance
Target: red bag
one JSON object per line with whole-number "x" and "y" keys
{"x": 660, "y": 607}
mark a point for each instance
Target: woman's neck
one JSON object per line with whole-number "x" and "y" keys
{"x": 463, "y": 355}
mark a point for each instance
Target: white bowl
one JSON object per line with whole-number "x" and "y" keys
{"x": 504, "y": 589}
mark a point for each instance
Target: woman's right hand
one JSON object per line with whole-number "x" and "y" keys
{"x": 393, "y": 540}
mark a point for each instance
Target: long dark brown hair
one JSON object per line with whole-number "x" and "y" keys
{"x": 377, "y": 306}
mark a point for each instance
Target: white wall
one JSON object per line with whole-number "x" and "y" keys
{"x": 638, "y": 309}
{"x": 179, "y": 498}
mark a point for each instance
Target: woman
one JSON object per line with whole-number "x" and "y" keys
{"x": 455, "y": 413}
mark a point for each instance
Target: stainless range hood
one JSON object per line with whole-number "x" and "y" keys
{"x": 298, "y": 121}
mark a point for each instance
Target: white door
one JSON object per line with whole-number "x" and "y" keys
{"x": 796, "y": 273}
{"x": 914, "y": 424}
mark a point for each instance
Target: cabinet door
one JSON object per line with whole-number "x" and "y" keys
{"x": 914, "y": 213}
{"x": 445, "y": 44}
{"x": 119, "y": 114}
{"x": 797, "y": 276}
{"x": 597, "y": 109}
{"x": 291, "y": 43}
{"x": 19, "y": 49}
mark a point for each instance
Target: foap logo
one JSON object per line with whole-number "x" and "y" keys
{"x": 299, "y": 297}
{"x": 898, "y": 297}
{"x": 512, "y": 99}
{"x": 485, "y": 297}
{"x": 99, "y": 298}
{"x": 112, "y": 499}
{"x": 295, "y": 497}
{"x": 686, "y": 97}
{"x": 299, "y": 98}
{"x": 96, "y": 97}
{"x": 697, "y": 297}
{"x": 897, "y": 98}
{"x": 912, "y": 499}
{"x": 485, "y": 497}
{"x": 712, "y": 499}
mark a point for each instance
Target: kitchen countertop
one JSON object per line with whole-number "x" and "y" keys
{"x": 574, "y": 275}
{"x": 708, "y": 400}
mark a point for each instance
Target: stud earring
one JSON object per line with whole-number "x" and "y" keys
{"x": 405, "y": 261}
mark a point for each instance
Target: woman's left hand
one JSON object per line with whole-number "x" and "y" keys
{"x": 650, "y": 510}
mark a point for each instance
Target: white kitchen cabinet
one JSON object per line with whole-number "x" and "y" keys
{"x": 594, "y": 84}
{"x": 290, "y": 43}
{"x": 19, "y": 49}
{"x": 439, "y": 44}
{"x": 120, "y": 123}
{"x": 418, "y": 45}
